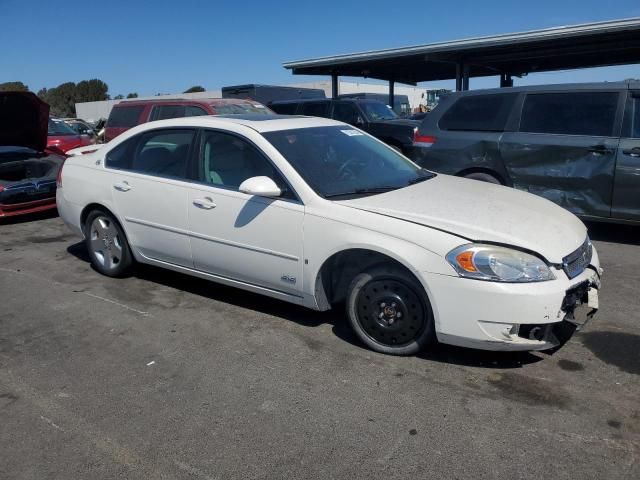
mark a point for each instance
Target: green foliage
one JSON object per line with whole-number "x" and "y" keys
{"x": 13, "y": 87}
{"x": 118, "y": 97}
{"x": 132, "y": 95}
{"x": 195, "y": 88}
{"x": 62, "y": 99}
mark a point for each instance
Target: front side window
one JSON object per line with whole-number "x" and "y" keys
{"x": 482, "y": 113}
{"x": 162, "y": 153}
{"x": 345, "y": 112}
{"x": 227, "y": 160}
{"x": 163, "y": 112}
{"x": 241, "y": 108}
{"x": 194, "y": 111}
{"x": 341, "y": 161}
{"x": 571, "y": 113}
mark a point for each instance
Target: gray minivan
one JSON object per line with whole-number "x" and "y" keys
{"x": 577, "y": 145}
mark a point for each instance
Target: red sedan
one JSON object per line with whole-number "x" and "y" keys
{"x": 28, "y": 168}
{"x": 62, "y": 136}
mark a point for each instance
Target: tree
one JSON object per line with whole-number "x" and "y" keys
{"x": 195, "y": 88}
{"x": 132, "y": 95}
{"x": 63, "y": 98}
{"x": 13, "y": 87}
{"x": 118, "y": 97}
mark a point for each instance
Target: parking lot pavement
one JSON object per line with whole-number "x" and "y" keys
{"x": 161, "y": 375}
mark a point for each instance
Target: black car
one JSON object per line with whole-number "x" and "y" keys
{"x": 372, "y": 116}
{"x": 576, "y": 145}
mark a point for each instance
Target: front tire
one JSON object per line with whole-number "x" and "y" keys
{"x": 107, "y": 244}
{"x": 389, "y": 311}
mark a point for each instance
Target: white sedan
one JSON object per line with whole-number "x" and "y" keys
{"x": 318, "y": 213}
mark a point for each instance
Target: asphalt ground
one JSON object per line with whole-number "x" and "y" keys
{"x": 161, "y": 375}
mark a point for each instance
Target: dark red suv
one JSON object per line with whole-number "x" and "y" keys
{"x": 128, "y": 114}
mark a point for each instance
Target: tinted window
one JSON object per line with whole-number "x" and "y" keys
{"x": 632, "y": 117}
{"x": 315, "y": 109}
{"x": 575, "y": 113}
{"x": 337, "y": 161}
{"x": 284, "y": 108}
{"x": 164, "y": 153}
{"x": 227, "y": 161}
{"x": 345, "y": 112}
{"x": 162, "y": 112}
{"x": 485, "y": 113}
{"x": 58, "y": 127}
{"x": 124, "y": 117}
{"x": 242, "y": 108}
{"x": 193, "y": 111}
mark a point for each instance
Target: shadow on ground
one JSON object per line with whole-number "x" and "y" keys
{"x": 615, "y": 348}
{"x": 310, "y": 318}
{"x": 32, "y": 217}
{"x": 614, "y": 233}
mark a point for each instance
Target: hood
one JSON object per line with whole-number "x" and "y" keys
{"x": 24, "y": 120}
{"x": 481, "y": 211}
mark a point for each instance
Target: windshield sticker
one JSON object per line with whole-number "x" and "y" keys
{"x": 257, "y": 105}
{"x": 351, "y": 133}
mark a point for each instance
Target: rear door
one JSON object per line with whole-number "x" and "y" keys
{"x": 626, "y": 187}
{"x": 565, "y": 148}
{"x": 315, "y": 109}
{"x": 149, "y": 181}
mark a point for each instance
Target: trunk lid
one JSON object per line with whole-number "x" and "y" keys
{"x": 24, "y": 120}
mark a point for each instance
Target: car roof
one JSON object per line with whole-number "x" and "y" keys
{"x": 258, "y": 122}
{"x": 180, "y": 101}
{"x": 618, "y": 85}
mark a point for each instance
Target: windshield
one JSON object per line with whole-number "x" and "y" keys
{"x": 57, "y": 128}
{"x": 341, "y": 161}
{"x": 378, "y": 111}
{"x": 234, "y": 108}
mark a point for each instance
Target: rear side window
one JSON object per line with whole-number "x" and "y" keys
{"x": 284, "y": 108}
{"x": 484, "y": 113}
{"x": 571, "y": 113}
{"x": 631, "y": 127}
{"x": 162, "y": 153}
{"x": 316, "y": 109}
{"x": 124, "y": 117}
{"x": 345, "y": 112}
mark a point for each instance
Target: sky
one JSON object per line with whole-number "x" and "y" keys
{"x": 168, "y": 46}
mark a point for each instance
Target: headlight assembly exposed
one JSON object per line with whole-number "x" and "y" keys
{"x": 498, "y": 264}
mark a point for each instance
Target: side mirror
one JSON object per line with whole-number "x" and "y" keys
{"x": 260, "y": 186}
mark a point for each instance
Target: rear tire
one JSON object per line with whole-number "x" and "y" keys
{"x": 107, "y": 244}
{"x": 389, "y": 311}
{"x": 483, "y": 177}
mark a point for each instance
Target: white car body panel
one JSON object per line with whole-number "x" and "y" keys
{"x": 277, "y": 247}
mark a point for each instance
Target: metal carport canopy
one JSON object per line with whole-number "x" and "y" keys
{"x": 598, "y": 44}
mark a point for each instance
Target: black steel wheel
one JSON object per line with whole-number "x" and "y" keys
{"x": 389, "y": 311}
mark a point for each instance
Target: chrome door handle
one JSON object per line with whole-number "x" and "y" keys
{"x": 204, "y": 203}
{"x": 122, "y": 186}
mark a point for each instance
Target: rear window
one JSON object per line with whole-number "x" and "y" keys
{"x": 316, "y": 109}
{"x": 484, "y": 113}
{"x": 574, "y": 113}
{"x": 124, "y": 117}
{"x": 284, "y": 108}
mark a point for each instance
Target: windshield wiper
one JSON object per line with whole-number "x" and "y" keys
{"x": 362, "y": 191}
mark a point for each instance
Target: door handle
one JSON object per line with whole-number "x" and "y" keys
{"x": 632, "y": 152}
{"x": 122, "y": 186}
{"x": 204, "y": 203}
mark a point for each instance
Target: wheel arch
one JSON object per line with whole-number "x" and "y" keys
{"x": 99, "y": 206}
{"x": 336, "y": 271}
{"x": 489, "y": 171}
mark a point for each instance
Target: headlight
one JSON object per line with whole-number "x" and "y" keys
{"x": 498, "y": 264}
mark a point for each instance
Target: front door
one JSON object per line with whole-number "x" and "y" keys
{"x": 565, "y": 149}
{"x": 626, "y": 189}
{"x": 251, "y": 239}
{"x": 150, "y": 192}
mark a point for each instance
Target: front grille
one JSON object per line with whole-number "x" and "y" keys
{"x": 575, "y": 263}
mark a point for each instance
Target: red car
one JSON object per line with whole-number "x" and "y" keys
{"x": 62, "y": 136}
{"x": 128, "y": 114}
{"x": 28, "y": 168}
